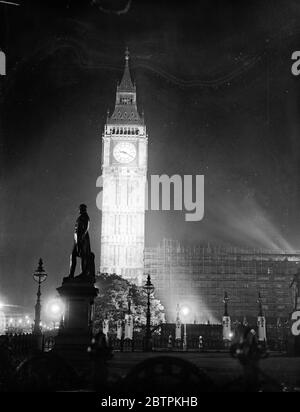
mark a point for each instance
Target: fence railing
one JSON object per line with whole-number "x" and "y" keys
{"x": 19, "y": 345}
{"x": 23, "y": 345}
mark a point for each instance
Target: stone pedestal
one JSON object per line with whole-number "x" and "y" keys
{"x": 75, "y": 332}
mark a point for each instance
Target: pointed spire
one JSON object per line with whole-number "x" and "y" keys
{"x": 127, "y": 55}
{"x": 126, "y": 84}
{"x": 125, "y": 111}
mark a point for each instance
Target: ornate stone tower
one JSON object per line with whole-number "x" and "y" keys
{"x": 124, "y": 169}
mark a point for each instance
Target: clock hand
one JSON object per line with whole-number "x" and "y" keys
{"x": 128, "y": 154}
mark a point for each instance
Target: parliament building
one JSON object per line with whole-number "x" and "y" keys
{"x": 195, "y": 276}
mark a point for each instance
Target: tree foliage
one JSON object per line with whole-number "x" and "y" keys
{"x": 112, "y": 303}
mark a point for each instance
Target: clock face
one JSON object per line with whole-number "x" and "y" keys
{"x": 124, "y": 152}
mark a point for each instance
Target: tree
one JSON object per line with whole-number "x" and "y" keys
{"x": 112, "y": 303}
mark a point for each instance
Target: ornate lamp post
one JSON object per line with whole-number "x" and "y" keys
{"x": 129, "y": 301}
{"x": 148, "y": 289}
{"x": 39, "y": 276}
{"x": 185, "y": 310}
{"x": 129, "y": 323}
{"x": 261, "y": 321}
{"x": 227, "y": 335}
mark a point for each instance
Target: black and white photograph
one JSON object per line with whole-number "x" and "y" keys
{"x": 150, "y": 200}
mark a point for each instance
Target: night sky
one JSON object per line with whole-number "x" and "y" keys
{"x": 214, "y": 81}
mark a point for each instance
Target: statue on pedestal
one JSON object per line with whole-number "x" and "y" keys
{"x": 82, "y": 247}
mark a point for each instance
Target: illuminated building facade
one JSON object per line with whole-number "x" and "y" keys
{"x": 197, "y": 277}
{"x": 124, "y": 169}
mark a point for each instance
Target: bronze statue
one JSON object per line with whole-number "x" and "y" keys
{"x": 82, "y": 246}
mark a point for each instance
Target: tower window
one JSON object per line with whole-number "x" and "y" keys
{"x": 126, "y": 100}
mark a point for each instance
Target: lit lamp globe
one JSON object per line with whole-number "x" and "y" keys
{"x": 185, "y": 311}
{"x": 55, "y": 309}
{"x": 40, "y": 275}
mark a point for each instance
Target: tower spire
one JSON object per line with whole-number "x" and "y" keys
{"x": 126, "y": 84}
{"x": 126, "y": 111}
{"x": 127, "y": 55}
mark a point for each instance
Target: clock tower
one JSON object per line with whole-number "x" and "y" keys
{"x": 124, "y": 171}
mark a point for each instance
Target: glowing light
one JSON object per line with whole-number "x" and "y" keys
{"x": 185, "y": 311}
{"x": 2, "y": 323}
{"x": 55, "y": 309}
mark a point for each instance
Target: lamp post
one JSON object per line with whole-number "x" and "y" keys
{"x": 39, "y": 276}
{"x": 129, "y": 301}
{"x": 55, "y": 311}
{"x": 225, "y": 301}
{"x": 227, "y": 335}
{"x": 185, "y": 312}
{"x": 261, "y": 321}
{"x": 178, "y": 326}
{"x": 148, "y": 289}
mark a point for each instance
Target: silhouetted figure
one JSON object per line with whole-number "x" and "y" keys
{"x": 296, "y": 284}
{"x": 249, "y": 351}
{"x": 100, "y": 352}
{"x": 82, "y": 246}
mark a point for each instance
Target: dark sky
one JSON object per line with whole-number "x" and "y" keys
{"x": 214, "y": 80}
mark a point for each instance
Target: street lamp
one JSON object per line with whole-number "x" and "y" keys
{"x": 225, "y": 301}
{"x": 129, "y": 300}
{"x": 148, "y": 289}
{"x": 226, "y": 322}
{"x": 185, "y": 312}
{"x": 39, "y": 276}
{"x": 55, "y": 310}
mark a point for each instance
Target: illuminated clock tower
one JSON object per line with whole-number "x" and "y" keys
{"x": 124, "y": 169}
